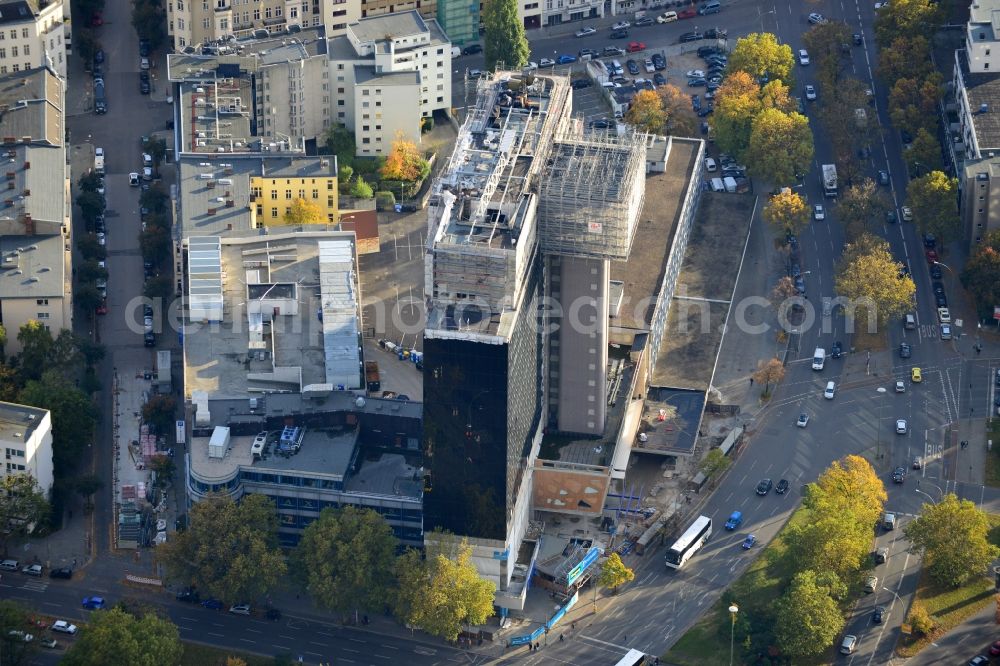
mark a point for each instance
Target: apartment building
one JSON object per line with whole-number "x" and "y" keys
{"x": 387, "y": 73}
{"x": 280, "y": 84}
{"x": 33, "y": 34}
{"x": 193, "y": 23}
{"x": 26, "y": 440}
{"x": 975, "y": 137}
{"x": 35, "y": 243}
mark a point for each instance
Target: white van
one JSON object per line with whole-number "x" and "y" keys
{"x": 819, "y": 358}
{"x": 730, "y": 184}
{"x": 616, "y": 68}
{"x": 831, "y": 388}
{"x": 910, "y": 322}
{"x": 717, "y": 185}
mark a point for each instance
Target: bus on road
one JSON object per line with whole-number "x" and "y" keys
{"x": 633, "y": 658}
{"x": 689, "y": 543}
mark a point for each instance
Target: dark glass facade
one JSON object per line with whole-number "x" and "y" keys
{"x": 482, "y": 404}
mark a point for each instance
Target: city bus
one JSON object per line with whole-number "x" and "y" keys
{"x": 689, "y": 543}
{"x": 633, "y": 658}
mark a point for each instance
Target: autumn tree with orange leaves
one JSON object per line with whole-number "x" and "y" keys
{"x": 404, "y": 161}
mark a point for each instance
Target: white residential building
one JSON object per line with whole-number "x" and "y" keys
{"x": 34, "y": 34}
{"x": 387, "y": 73}
{"x": 26, "y": 439}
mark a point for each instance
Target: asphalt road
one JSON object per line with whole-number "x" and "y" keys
{"x": 658, "y": 608}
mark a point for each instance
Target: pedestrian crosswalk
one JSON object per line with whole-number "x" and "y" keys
{"x": 36, "y": 585}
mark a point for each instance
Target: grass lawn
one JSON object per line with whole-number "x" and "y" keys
{"x": 707, "y": 642}
{"x": 991, "y": 474}
{"x": 949, "y": 606}
{"x": 196, "y": 654}
{"x": 864, "y": 341}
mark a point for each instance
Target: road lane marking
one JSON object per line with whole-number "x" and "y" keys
{"x": 357, "y": 640}
{"x": 212, "y": 634}
{"x": 319, "y": 644}
{"x": 247, "y": 640}
{"x": 389, "y": 647}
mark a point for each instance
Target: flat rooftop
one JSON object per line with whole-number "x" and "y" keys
{"x": 641, "y": 278}
{"x": 18, "y": 422}
{"x": 32, "y": 103}
{"x": 32, "y": 267}
{"x": 983, "y": 89}
{"x": 243, "y": 354}
{"x": 215, "y": 191}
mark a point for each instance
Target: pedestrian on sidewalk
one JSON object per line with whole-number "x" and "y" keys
{"x": 751, "y": 381}
{"x": 561, "y": 638}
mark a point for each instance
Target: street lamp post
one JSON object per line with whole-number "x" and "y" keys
{"x": 733, "y": 610}
{"x": 927, "y": 495}
{"x": 878, "y": 424}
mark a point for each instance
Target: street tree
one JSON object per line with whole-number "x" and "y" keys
{"x": 154, "y": 243}
{"x": 22, "y": 506}
{"x": 158, "y": 286}
{"x": 953, "y": 536}
{"x": 13, "y": 650}
{"x": 737, "y": 102}
{"x": 783, "y": 289}
{"x": 85, "y": 42}
{"x": 88, "y": 485}
{"x": 776, "y": 95}
{"x": 443, "y": 593}
{"x": 861, "y": 205}
{"x": 154, "y": 199}
{"x": 614, "y": 573}
{"x": 90, "y": 249}
{"x": 303, "y": 211}
{"x": 118, "y": 637}
{"x": 912, "y": 102}
{"x": 924, "y": 153}
{"x": 504, "y": 41}
{"x": 905, "y": 18}
{"x": 149, "y": 18}
{"x": 159, "y": 412}
{"x": 875, "y": 285}
{"x": 908, "y": 57}
{"x": 808, "y": 618}
{"x": 646, "y": 112}
{"x": 360, "y": 189}
{"x": 933, "y": 199}
{"x": 769, "y": 373}
{"x": 825, "y": 42}
{"x": 981, "y": 275}
{"x": 714, "y": 463}
{"x": 87, "y": 297}
{"x": 73, "y": 416}
{"x": 36, "y": 343}
{"x": 90, "y": 270}
{"x": 156, "y": 148}
{"x": 849, "y": 487}
{"x": 229, "y": 551}
{"x": 89, "y": 182}
{"x": 404, "y": 161}
{"x": 91, "y": 206}
{"x": 781, "y": 147}
{"x": 787, "y": 211}
{"x": 759, "y": 54}
{"x": 679, "y": 118}
{"x": 345, "y": 559}
{"x": 920, "y": 620}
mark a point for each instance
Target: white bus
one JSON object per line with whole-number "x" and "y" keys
{"x": 633, "y": 658}
{"x": 689, "y": 543}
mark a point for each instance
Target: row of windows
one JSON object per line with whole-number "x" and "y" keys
{"x": 17, "y": 68}
{"x": 288, "y": 209}
{"x": 11, "y": 467}
{"x": 15, "y": 453}
{"x": 13, "y": 51}
{"x": 302, "y": 193}
{"x": 395, "y": 513}
{"x": 13, "y": 34}
{"x": 289, "y": 480}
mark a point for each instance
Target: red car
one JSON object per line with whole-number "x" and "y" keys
{"x": 995, "y": 648}
{"x": 635, "y": 47}
{"x": 102, "y": 309}
{"x": 96, "y": 19}
{"x": 690, "y": 12}
{"x": 932, "y": 256}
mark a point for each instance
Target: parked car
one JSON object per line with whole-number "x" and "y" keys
{"x": 690, "y": 37}
{"x": 584, "y": 32}
{"x": 565, "y": 59}
{"x": 871, "y": 584}
{"x": 64, "y": 627}
{"x": 659, "y": 79}
{"x": 632, "y": 66}
{"x": 188, "y": 595}
{"x": 644, "y": 21}
{"x": 240, "y": 609}
{"x": 593, "y": 53}
{"x": 61, "y": 572}
{"x": 211, "y": 603}
{"x": 581, "y": 83}
{"x": 621, "y": 25}
{"x": 93, "y": 603}
{"x": 32, "y": 570}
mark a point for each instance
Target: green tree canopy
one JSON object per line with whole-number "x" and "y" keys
{"x": 91, "y": 206}
{"x": 36, "y": 344}
{"x": 781, "y": 147}
{"x": 614, "y": 573}
{"x": 73, "y": 416}
{"x": 149, "y": 18}
{"x": 759, "y": 54}
{"x": 737, "y": 102}
{"x": 155, "y": 148}
{"x": 953, "y": 537}
{"x": 646, "y": 112}
{"x": 873, "y": 281}
{"x": 913, "y": 102}
{"x": 924, "y": 153}
{"x": 861, "y": 205}
{"x": 905, "y": 18}
{"x": 229, "y": 551}
{"x": 934, "y": 198}
{"x": 117, "y": 637}
{"x": 443, "y": 593}
{"x": 158, "y": 287}
{"x": 907, "y": 57}
{"x": 14, "y": 617}
{"x": 22, "y": 505}
{"x": 981, "y": 275}
{"x": 504, "y": 39}
{"x": 159, "y": 411}
{"x": 715, "y": 462}
{"x": 345, "y": 559}
{"x": 361, "y": 189}
{"x": 90, "y": 249}
{"x": 808, "y": 618}
{"x": 787, "y": 211}
{"x": 340, "y": 142}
